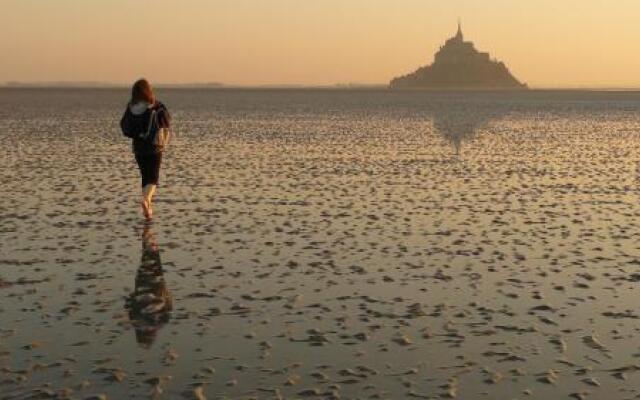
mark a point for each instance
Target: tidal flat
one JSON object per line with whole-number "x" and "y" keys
{"x": 330, "y": 244}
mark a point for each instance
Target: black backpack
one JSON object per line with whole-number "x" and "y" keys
{"x": 141, "y": 126}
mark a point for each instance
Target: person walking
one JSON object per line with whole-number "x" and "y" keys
{"x": 147, "y": 122}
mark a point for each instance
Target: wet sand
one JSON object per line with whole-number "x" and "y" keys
{"x": 323, "y": 244}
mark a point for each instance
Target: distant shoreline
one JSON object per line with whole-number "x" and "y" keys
{"x": 337, "y": 87}
{"x": 212, "y": 85}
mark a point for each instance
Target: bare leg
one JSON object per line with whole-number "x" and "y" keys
{"x": 147, "y": 197}
{"x": 145, "y": 208}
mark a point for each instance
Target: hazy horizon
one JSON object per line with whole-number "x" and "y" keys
{"x": 291, "y": 43}
{"x": 223, "y": 85}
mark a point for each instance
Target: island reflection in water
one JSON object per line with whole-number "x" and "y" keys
{"x": 150, "y": 304}
{"x": 459, "y": 122}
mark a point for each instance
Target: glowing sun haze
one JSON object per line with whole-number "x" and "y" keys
{"x": 252, "y": 42}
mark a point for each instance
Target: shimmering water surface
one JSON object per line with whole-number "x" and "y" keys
{"x": 323, "y": 243}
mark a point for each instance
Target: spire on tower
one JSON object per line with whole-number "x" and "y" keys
{"x": 459, "y": 34}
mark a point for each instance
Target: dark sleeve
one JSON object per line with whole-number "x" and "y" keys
{"x": 126, "y": 124}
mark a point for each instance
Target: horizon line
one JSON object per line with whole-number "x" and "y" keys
{"x": 222, "y": 85}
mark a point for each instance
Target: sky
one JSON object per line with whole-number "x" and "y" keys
{"x": 545, "y": 43}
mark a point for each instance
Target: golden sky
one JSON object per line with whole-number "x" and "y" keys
{"x": 546, "y": 43}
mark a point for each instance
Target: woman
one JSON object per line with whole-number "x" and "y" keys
{"x": 142, "y": 120}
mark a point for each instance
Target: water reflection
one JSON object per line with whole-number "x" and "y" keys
{"x": 459, "y": 122}
{"x": 150, "y": 304}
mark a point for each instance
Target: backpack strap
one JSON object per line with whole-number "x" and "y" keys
{"x": 151, "y": 121}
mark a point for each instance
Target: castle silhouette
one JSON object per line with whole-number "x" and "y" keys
{"x": 458, "y": 65}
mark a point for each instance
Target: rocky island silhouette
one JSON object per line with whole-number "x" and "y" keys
{"x": 458, "y": 65}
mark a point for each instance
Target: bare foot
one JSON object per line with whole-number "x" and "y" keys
{"x": 145, "y": 209}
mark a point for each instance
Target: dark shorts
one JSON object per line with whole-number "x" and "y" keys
{"x": 149, "y": 165}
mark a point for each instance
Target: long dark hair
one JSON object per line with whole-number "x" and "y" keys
{"x": 142, "y": 91}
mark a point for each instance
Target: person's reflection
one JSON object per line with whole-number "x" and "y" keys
{"x": 150, "y": 304}
{"x": 459, "y": 122}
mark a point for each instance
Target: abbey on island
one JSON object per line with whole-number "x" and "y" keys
{"x": 458, "y": 65}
